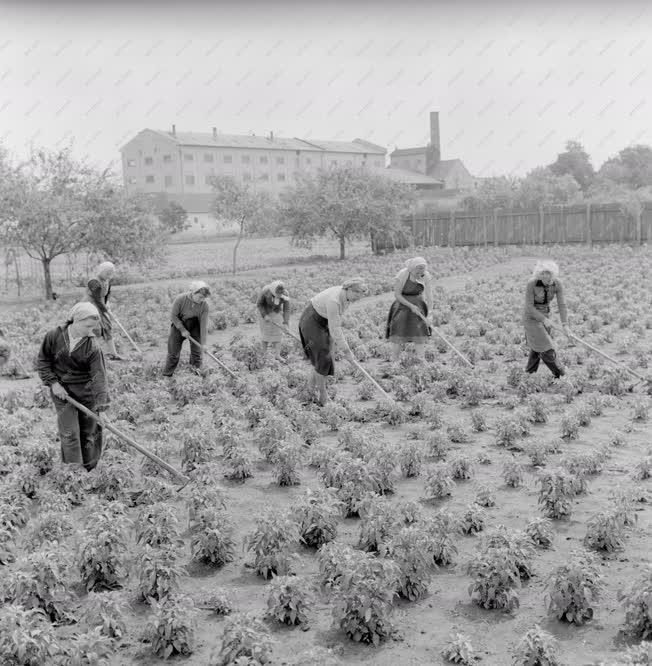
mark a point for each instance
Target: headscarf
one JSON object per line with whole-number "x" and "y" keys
{"x": 200, "y": 285}
{"x": 104, "y": 266}
{"x": 357, "y": 284}
{"x": 81, "y": 311}
{"x": 546, "y": 265}
{"x": 410, "y": 265}
{"x": 273, "y": 287}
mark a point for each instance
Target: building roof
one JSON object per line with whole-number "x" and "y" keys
{"x": 400, "y": 152}
{"x": 206, "y": 139}
{"x": 410, "y": 177}
{"x": 444, "y": 167}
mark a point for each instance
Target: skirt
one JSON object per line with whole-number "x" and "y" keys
{"x": 269, "y": 332}
{"x": 403, "y": 325}
{"x": 316, "y": 341}
{"x": 537, "y": 336}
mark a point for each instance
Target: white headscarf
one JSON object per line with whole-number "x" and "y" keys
{"x": 272, "y": 288}
{"x": 105, "y": 266}
{"x": 546, "y": 265}
{"x": 410, "y": 265}
{"x": 82, "y": 310}
{"x": 199, "y": 285}
{"x": 357, "y": 284}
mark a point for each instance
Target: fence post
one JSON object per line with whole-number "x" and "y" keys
{"x": 495, "y": 225}
{"x": 541, "y": 222}
{"x": 451, "y": 230}
{"x": 589, "y": 238}
{"x": 484, "y": 228}
{"x": 414, "y": 231}
{"x": 639, "y": 225}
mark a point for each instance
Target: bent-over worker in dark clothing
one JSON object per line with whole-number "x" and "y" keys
{"x": 70, "y": 362}
{"x": 189, "y": 318}
{"x": 540, "y": 290}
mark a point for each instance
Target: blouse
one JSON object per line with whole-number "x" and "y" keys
{"x": 96, "y": 291}
{"x": 185, "y": 308}
{"x": 402, "y": 278}
{"x": 331, "y": 304}
{"x": 538, "y": 297}
{"x": 265, "y": 305}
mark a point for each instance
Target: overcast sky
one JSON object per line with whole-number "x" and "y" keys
{"x": 511, "y": 84}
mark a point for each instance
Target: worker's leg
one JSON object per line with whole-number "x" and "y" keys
{"x": 68, "y": 427}
{"x": 175, "y": 342}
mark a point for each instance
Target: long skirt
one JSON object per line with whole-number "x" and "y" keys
{"x": 403, "y": 325}
{"x": 269, "y": 332}
{"x": 316, "y": 341}
{"x": 537, "y": 336}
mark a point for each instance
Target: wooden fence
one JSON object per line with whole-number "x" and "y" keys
{"x": 585, "y": 223}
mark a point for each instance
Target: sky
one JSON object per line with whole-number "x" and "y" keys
{"x": 511, "y": 82}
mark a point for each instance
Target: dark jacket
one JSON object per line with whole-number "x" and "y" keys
{"x": 94, "y": 289}
{"x": 184, "y": 308}
{"x": 265, "y": 305}
{"x": 538, "y": 298}
{"x": 82, "y": 373}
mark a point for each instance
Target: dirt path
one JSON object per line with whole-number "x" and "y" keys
{"x": 249, "y": 332}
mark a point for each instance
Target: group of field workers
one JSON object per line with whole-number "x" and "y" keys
{"x": 71, "y": 362}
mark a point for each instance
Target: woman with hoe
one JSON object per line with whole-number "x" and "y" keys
{"x": 98, "y": 290}
{"x": 274, "y": 314}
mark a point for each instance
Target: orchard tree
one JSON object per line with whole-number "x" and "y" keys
{"x": 173, "y": 217}
{"x": 632, "y": 167}
{"x": 253, "y": 211}
{"x": 629, "y": 200}
{"x": 542, "y": 188}
{"x": 574, "y": 162}
{"x": 52, "y": 205}
{"x": 345, "y": 203}
{"x": 494, "y": 192}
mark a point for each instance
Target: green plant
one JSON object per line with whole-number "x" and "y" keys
{"x": 107, "y": 612}
{"x": 92, "y": 648}
{"x": 439, "y": 482}
{"x": 411, "y": 550}
{"x": 380, "y": 522}
{"x": 516, "y": 543}
{"x": 158, "y": 570}
{"x": 218, "y": 601}
{"x": 508, "y": 430}
{"x": 70, "y": 479}
{"x": 352, "y": 478}
{"x": 461, "y": 467}
{"x": 473, "y": 520}
{"x": 212, "y": 537}
{"x": 411, "y": 459}
{"x": 570, "y": 425}
{"x": 440, "y": 529}
{"x": 286, "y": 460}
{"x": 157, "y": 525}
{"x": 643, "y": 469}
{"x": 101, "y": 555}
{"x": 458, "y": 650}
{"x": 171, "y": 629}
{"x": 317, "y": 514}
{"x": 288, "y": 599}
{"x": 383, "y": 459}
{"x": 537, "y": 409}
{"x": 485, "y": 495}
{"x": 604, "y": 531}
{"x": 26, "y": 636}
{"x": 640, "y": 409}
{"x": 111, "y": 478}
{"x": 573, "y": 588}
{"x": 557, "y": 488}
{"x": 637, "y": 601}
{"x": 238, "y": 463}
{"x": 456, "y": 433}
{"x": 495, "y": 578}
{"x": 513, "y": 473}
{"x": 479, "y": 420}
{"x": 272, "y": 542}
{"x": 50, "y": 526}
{"x": 437, "y": 446}
{"x": 537, "y": 648}
{"x": 537, "y": 452}
{"x": 540, "y": 532}
{"x": 245, "y": 640}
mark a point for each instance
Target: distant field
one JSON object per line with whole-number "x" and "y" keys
{"x": 206, "y": 257}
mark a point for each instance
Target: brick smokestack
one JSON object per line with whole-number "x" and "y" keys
{"x": 174, "y": 130}
{"x": 435, "y": 142}
{"x": 214, "y": 133}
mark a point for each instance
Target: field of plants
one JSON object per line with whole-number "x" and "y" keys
{"x": 489, "y": 515}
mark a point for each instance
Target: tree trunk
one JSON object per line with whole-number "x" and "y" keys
{"x": 342, "y": 248}
{"x": 48, "y": 279}
{"x": 237, "y": 244}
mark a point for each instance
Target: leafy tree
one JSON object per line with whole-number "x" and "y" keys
{"x": 495, "y": 192}
{"x": 254, "y": 211}
{"x": 173, "y": 217}
{"x": 52, "y": 205}
{"x": 575, "y": 162}
{"x": 632, "y": 167}
{"x": 343, "y": 202}
{"x": 542, "y": 188}
{"x": 630, "y": 200}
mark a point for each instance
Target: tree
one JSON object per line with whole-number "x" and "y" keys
{"x": 574, "y": 162}
{"x": 173, "y": 217}
{"x": 629, "y": 200}
{"x": 542, "y": 188}
{"x": 52, "y": 205}
{"x": 494, "y": 192}
{"x": 632, "y": 167}
{"x": 343, "y": 202}
{"x": 252, "y": 210}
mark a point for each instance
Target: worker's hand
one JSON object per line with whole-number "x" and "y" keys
{"x": 266, "y": 317}
{"x": 566, "y": 329}
{"x": 204, "y": 348}
{"x": 185, "y": 333}
{"x": 59, "y": 391}
{"x": 547, "y": 323}
{"x": 286, "y": 326}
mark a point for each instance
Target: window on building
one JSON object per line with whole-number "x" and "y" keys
{"x": 308, "y": 160}
{"x": 264, "y": 177}
{"x": 190, "y": 180}
{"x": 297, "y": 162}
{"x": 132, "y": 181}
{"x": 246, "y": 177}
{"x": 263, "y": 159}
{"x": 188, "y": 157}
{"x": 280, "y": 160}
{"x": 149, "y": 179}
{"x": 196, "y": 219}
{"x": 245, "y": 159}
{"x": 209, "y": 157}
{"x": 131, "y": 163}
{"x": 228, "y": 159}
{"x": 377, "y": 163}
{"x": 208, "y": 179}
{"x": 364, "y": 162}
{"x": 167, "y": 158}
{"x": 280, "y": 177}
{"x": 149, "y": 160}
{"x": 168, "y": 181}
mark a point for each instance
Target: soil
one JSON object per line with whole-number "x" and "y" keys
{"x": 425, "y": 625}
